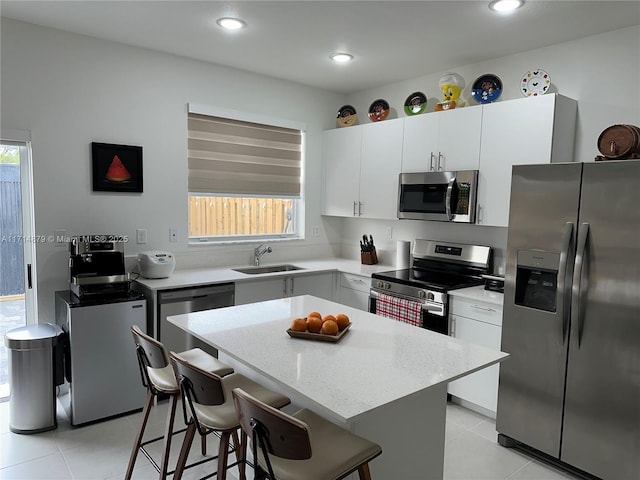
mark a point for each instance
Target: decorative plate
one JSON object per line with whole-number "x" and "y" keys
{"x": 486, "y": 88}
{"x": 319, "y": 336}
{"x": 415, "y": 104}
{"x": 379, "y": 110}
{"x": 534, "y": 83}
{"x": 347, "y": 116}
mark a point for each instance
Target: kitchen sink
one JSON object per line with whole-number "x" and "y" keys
{"x": 267, "y": 269}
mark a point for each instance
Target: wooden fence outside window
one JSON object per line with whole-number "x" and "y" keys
{"x": 235, "y": 216}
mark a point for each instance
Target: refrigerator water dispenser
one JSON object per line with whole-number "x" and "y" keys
{"x": 537, "y": 280}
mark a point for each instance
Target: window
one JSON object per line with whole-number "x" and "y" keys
{"x": 245, "y": 177}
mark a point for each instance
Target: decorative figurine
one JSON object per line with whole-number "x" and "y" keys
{"x": 451, "y": 85}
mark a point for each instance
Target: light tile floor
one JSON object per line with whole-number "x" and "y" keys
{"x": 101, "y": 451}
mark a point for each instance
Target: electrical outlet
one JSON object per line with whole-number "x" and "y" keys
{"x": 141, "y": 235}
{"x": 173, "y": 234}
{"x": 315, "y": 230}
{"x": 389, "y": 233}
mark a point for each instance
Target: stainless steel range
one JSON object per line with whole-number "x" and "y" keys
{"x": 418, "y": 295}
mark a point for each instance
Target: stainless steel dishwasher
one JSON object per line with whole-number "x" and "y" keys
{"x": 187, "y": 300}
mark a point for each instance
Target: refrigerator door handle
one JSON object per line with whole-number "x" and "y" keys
{"x": 577, "y": 316}
{"x": 567, "y": 236}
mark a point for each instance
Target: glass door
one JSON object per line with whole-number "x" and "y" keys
{"x": 17, "y": 242}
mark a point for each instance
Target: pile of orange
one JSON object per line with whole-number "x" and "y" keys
{"x": 316, "y": 323}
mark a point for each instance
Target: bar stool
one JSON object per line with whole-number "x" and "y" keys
{"x": 158, "y": 377}
{"x": 210, "y": 402}
{"x": 302, "y": 445}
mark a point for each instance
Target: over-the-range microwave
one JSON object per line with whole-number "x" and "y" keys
{"x": 441, "y": 196}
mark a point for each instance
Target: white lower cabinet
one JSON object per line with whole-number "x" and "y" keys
{"x": 319, "y": 285}
{"x": 354, "y": 290}
{"x": 479, "y": 323}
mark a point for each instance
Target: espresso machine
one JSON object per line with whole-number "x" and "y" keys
{"x": 96, "y": 266}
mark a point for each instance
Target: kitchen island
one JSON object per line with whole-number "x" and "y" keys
{"x": 384, "y": 380}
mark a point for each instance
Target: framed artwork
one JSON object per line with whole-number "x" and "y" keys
{"x": 116, "y": 168}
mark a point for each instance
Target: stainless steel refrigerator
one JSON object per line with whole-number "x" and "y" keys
{"x": 571, "y": 387}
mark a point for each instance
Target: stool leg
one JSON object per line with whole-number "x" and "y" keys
{"x": 136, "y": 444}
{"x": 168, "y": 433}
{"x": 241, "y": 452}
{"x": 184, "y": 451}
{"x": 363, "y": 472}
{"x": 223, "y": 454}
{"x": 203, "y": 444}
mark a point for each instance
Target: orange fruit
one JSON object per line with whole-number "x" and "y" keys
{"x": 328, "y": 317}
{"x": 314, "y": 324}
{"x": 342, "y": 320}
{"x": 329, "y": 327}
{"x": 299, "y": 325}
{"x": 314, "y": 314}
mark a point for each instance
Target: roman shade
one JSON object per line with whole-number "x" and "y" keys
{"x": 234, "y": 157}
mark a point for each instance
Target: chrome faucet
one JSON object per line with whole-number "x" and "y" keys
{"x": 258, "y": 252}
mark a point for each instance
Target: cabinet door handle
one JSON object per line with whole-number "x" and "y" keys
{"x": 291, "y": 285}
{"x": 432, "y": 162}
{"x": 478, "y": 307}
{"x": 284, "y": 287}
{"x": 479, "y": 213}
{"x": 452, "y": 326}
{"x": 354, "y": 208}
{"x": 440, "y": 161}
{"x": 359, "y": 209}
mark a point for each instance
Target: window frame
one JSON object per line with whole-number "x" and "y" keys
{"x": 298, "y": 206}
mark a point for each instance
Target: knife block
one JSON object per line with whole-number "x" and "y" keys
{"x": 369, "y": 258}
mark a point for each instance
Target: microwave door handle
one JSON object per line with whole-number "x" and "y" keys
{"x": 577, "y": 290}
{"x": 447, "y": 202}
{"x": 562, "y": 279}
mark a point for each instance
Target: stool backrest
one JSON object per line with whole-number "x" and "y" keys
{"x": 197, "y": 385}
{"x": 280, "y": 434}
{"x": 153, "y": 353}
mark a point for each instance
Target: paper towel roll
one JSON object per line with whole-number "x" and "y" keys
{"x": 403, "y": 251}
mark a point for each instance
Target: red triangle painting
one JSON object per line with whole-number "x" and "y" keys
{"x": 117, "y": 171}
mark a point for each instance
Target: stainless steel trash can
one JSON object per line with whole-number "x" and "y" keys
{"x": 32, "y": 382}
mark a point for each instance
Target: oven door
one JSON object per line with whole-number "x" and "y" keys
{"x": 441, "y": 196}
{"x": 433, "y": 314}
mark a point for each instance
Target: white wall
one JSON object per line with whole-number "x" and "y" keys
{"x": 601, "y": 72}
{"x": 70, "y": 90}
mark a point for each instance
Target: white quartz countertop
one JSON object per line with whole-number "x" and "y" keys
{"x": 479, "y": 294}
{"x": 376, "y": 362}
{"x": 206, "y": 276}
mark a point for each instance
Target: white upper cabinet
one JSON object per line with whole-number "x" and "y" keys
{"x": 362, "y": 164}
{"x": 380, "y": 168}
{"x": 530, "y": 130}
{"x": 442, "y": 141}
{"x": 343, "y": 147}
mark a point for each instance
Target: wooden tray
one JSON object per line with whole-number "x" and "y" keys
{"x": 319, "y": 336}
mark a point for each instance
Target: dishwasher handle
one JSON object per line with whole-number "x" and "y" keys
{"x": 181, "y": 295}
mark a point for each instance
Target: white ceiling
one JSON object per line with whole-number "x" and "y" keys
{"x": 391, "y": 40}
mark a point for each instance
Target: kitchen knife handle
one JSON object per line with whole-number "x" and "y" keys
{"x": 564, "y": 312}
{"x": 577, "y": 289}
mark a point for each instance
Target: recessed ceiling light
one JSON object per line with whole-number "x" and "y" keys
{"x": 505, "y": 6}
{"x": 229, "y": 23}
{"x": 341, "y": 57}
